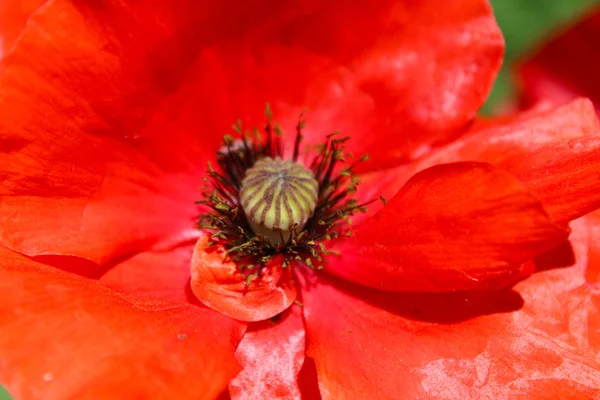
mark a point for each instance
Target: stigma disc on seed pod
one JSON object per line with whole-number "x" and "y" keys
{"x": 278, "y": 197}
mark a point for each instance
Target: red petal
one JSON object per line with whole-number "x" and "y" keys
{"x": 158, "y": 278}
{"x": 113, "y": 213}
{"x": 452, "y": 227}
{"x": 469, "y": 345}
{"x": 112, "y": 67}
{"x": 221, "y": 286}
{"x": 416, "y": 74}
{"x": 13, "y": 16}
{"x": 421, "y": 82}
{"x": 565, "y": 177}
{"x": 566, "y": 67}
{"x": 271, "y": 355}
{"x": 381, "y": 183}
{"x": 560, "y": 300}
{"x": 64, "y": 336}
{"x": 558, "y": 160}
{"x": 555, "y": 152}
{"x": 77, "y": 176}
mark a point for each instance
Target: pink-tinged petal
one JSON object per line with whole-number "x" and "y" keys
{"x": 271, "y": 354}
{"x": 452, "y": 227}
{"x": 554, "y": 151}
{"x": 593, "y": 270}
{"x": 594, "y": 320}
{"x": 565, "y": 67}
{"x": 534, "y": 342}
{"x": 64, "y": 336}
{"x": 222, "y": 286}
{"x": 559, "y": 300}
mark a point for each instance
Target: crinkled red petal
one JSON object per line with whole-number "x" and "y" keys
{"x": 400, "y": 94}
{"x": 271, "y": 354}
{"x": 452, "y": 227}
{"x": 84, "y": 173}
{"x": 564, "y": 177}
{"x": 88, "y": 209}
{"x": 538, "y": 340}
{"x": 394, "y": 86}
{"x": 64, "y": 336}
{"x": 222, "y": 286}
{"x": 554, "y": 151}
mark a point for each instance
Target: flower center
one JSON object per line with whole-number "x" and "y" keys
{"x": 278, "y": 195}
{"x": 262, "y": 205}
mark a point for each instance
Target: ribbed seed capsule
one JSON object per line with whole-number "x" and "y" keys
{"x": 277, "y": 194}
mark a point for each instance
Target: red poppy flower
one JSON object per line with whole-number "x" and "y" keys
{"x": 109, "y": 114}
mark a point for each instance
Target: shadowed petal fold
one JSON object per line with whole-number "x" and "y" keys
{"x": 156, "y": 278}
{"x": 452, "y": 227}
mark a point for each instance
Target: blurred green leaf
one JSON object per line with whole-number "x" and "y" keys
{"x": 4, "y": 395}
{"x": 525, "y": 24}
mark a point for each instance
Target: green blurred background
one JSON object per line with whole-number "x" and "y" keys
{"x": 525, "y": 24}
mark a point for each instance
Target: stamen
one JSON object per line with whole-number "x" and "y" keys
{"x": 264, "y": 205}
{"x": 278, "y": 195}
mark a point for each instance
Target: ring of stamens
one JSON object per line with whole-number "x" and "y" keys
{"x": 245, "y": 222}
